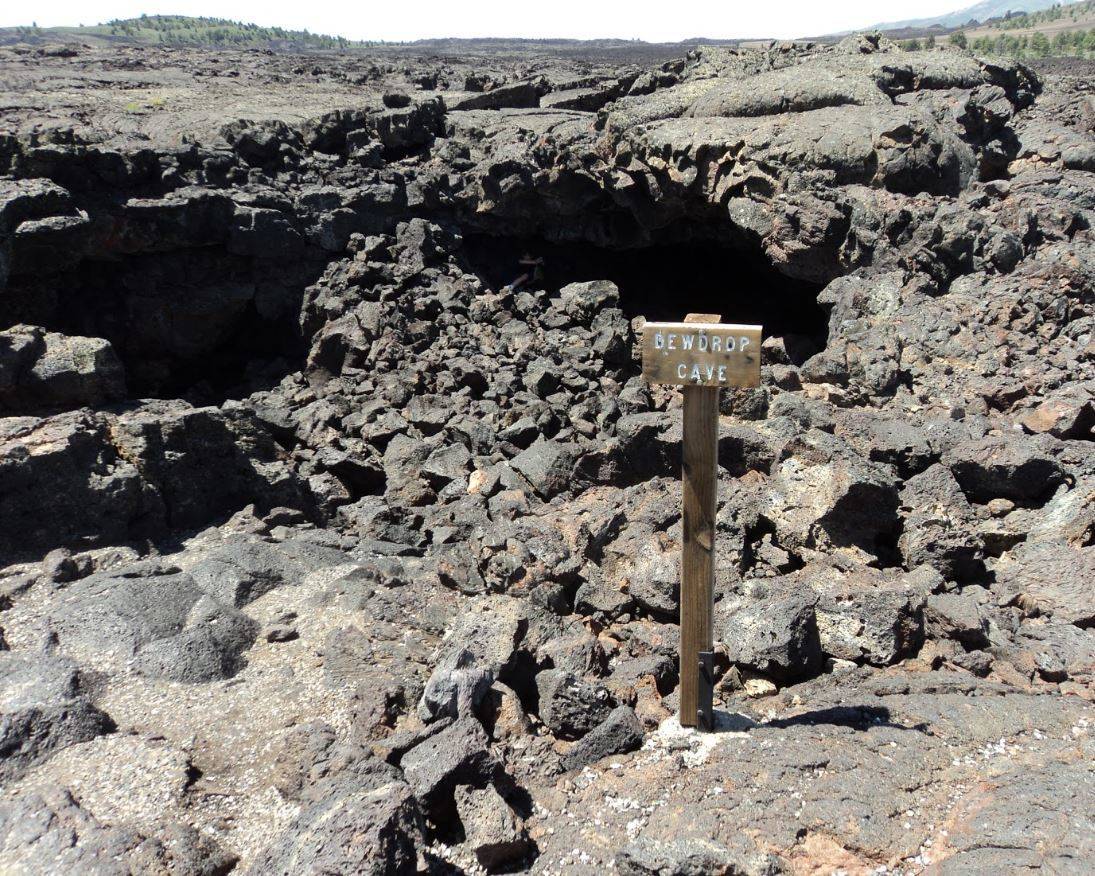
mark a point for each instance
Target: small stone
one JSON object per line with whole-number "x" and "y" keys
{"x": 283, "y": 517}
{"x": 548, "y": 466}
{"x": 977, "y": 662}
{"x": 396, "y": 99}
{"x": 569, "y": 706}
{"x": 483, "y": 482}
{"x": 505, "y": 717}
{"x": 1009, "y": 466}
{"x": 1048, "y": 578}
{"x": 731, "y": 681}
{"x": 491, "y": 828}
{"x": 939, "y": 526}
{"x": 772, "y": 628}
{"x": 869, "y": 615}
{"x": 360, "y": 819}
{"x": 282, "y": 633}
{"x": 392, "y": 747}
{"x": 43, "y": 709}
{"x": 455, "y": 688}
{"x": 59, "y": 566}
{"x": 957, "y": 616}
{"x": 620, "y": 733}
{"x": 758, "y": 687}
{"x": 1068, "y": 413}
{"x": 596, "y": 598}
{"x": 45, "y": 370}
{"x": 458, "y": 755}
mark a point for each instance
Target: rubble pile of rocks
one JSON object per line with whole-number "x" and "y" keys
{"x": 325, "y": 553}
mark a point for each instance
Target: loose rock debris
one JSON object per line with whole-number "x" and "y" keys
{"x": 324, "y": 551}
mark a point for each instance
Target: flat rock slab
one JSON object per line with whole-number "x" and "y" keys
{"x": 858, "y": 772}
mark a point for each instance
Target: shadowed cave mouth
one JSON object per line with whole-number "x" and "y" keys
{"x": 199, "y": 323}
{"x": 665, "y": 282}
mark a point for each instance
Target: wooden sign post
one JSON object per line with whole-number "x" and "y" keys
{"x": 700, "y": 355}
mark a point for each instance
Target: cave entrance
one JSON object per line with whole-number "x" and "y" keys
{"x": 666, "y": 281}
{"x": 200, "y": 323}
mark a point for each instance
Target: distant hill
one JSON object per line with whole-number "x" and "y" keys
{"x": 1056, "y": 32}
{"x": 636, "y": 51}
{"x": 1019, "y": 28}
{"x": 181, "y": 30}
{"x": 979, "y": 13}
{"x": 1054, "y": 20}
{"x": 1061, "y": 31}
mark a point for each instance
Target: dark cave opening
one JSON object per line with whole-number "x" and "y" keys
{"x": 664, "y": 282}
{"x": 201, "y": 323}
{"x": 208, "y": 324}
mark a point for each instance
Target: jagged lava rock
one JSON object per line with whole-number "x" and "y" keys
{"x": 42, "y": 370}
{"x": 405, "y": 442}
{"x": 44, "y": 706}
{"x": 491, "y": 829}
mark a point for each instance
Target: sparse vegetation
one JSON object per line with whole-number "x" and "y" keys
{"x": 1075, "y": 43}
{"x": 142, "y": 106}
{"x": 1023, "y": 20}
{"x": 1066, "y": 30}
{"x": 1061, "y": 31}
{"x": 181, "y": 30}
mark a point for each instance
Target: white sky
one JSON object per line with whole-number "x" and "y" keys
{"x": 669, "y": 20}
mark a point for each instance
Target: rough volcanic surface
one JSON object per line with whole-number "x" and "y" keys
{"x": 339, "y": 533}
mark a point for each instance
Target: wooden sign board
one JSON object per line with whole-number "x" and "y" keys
{"x": 701, "y": 355}
{"x": 708, "y": 354}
